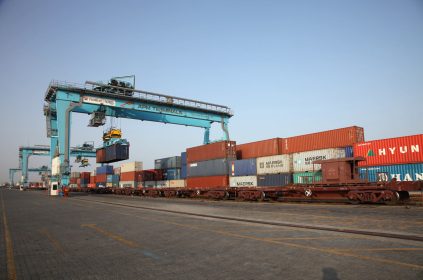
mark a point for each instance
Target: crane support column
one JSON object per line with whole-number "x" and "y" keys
{"x": 64, "y": 108}
{"x": 25, "y": 156}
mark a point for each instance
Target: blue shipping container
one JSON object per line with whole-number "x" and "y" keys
{"x": 105, "y": 169}
{"x": 112, "y": 178}
{"x": 245, "y": 167}
{"x": 183, "y": 172}
{"x": 402, "y": 172}
{"x": 184, "y": 158}
{"x": 84, "y": 181}
{"x": 349, "y": 152}
{"x": 172, "y": 174}
{"x": 274, "y": 180}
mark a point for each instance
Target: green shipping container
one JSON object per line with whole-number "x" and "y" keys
{"x": 307, "y": 177}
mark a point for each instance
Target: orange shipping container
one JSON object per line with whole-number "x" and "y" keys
{"x": 101, "y": 178}
{"x": 337, "y": 138}
{"x": 92, "y": 180}
{"x": 257, "y": 149}
{"x": 207, "y": 182}
{"x": 222, "y": 149}
{"x": 129, "y": 176}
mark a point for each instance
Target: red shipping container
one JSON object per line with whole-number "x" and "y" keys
{"x": 401, "y": 150}
{"x": 92, "y": 179}
{"x": 85, "y": 175}
{"x": 100, "y": 155}
{"x": 257, "y": 149}
{"x": 207, "y": 182}
{"x": 222, "y": 149}
{"x": 101, "y": 178}
{"x": 146, "y": 175}
{"x": 91, "y": 185}
{"x": 337, "y": 138}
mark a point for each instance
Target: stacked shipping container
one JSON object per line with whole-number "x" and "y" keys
{"x": 129, "y": 173}
{"x": 398, "y": 158}
{"x": 208, "y": 166}
{"x": 101, "y": 175}
{"x": 171, "y": 167}
{"x": 279, "y": 161}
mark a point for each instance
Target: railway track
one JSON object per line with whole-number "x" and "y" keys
{"x": 261, "y": 222}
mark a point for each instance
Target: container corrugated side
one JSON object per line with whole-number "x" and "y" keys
{"x": 400, "y": 150}
{"x": 307, "y": 177}
{"x": 184, "y": 172}
{"x": 172, "y": 174}
{"x": 183, "y": 158}
{"x": 274, "y": 164}
{"x": 101, "y": 178}
{"x": 112, "y": 178}
{"x": 304, "y": 161}
{"x": 131, "y": 166}
{"x": 116, "y": 152}
{"x": 274, "y": 180}
{"x": 168, "y": 163}
{"x": 215, "y": 167}
{"x": 177, "y": 183}
{"x": 222, "y": 149}
{"x": 244, "y": 167}
{"x": 401, "y": 172}
{"x": 269, "y": 147}
{"x": 243, "y": 181}
{"x": 105, "y": 169}
{"x": 207, "y": 182}
{"x": 337, "y": 138}
{"x": 101, "y": 155}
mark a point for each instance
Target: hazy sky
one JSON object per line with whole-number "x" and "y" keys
{"x": 285, "y": 67}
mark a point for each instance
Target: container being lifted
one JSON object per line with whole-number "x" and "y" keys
{"x": 114, "y": 147}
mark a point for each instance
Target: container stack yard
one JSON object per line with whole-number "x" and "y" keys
{"x": 272, "y": 165}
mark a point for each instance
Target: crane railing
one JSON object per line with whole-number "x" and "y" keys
{"x": 138, "y": 94}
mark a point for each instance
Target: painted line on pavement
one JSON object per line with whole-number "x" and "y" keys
{"x": 10, "y": 259}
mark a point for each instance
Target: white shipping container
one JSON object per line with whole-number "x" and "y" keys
{"x": 127, "y": 184}
{"x": 149, "y": 184}
{"x": 274, "y": 164}
{"x": 177, "y": 183}
{"x": 304, "y": 161}
{"x": 243, "y": 181}
{"x": 55, "y": 166}
{"x": 131, "y": 166}
{"x": 162, "y": 184}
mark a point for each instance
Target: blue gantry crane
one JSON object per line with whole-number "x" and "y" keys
{"x": 119, "y": 99}
{"x": 84, "y": 151}
{"x": 13, "y": 171}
